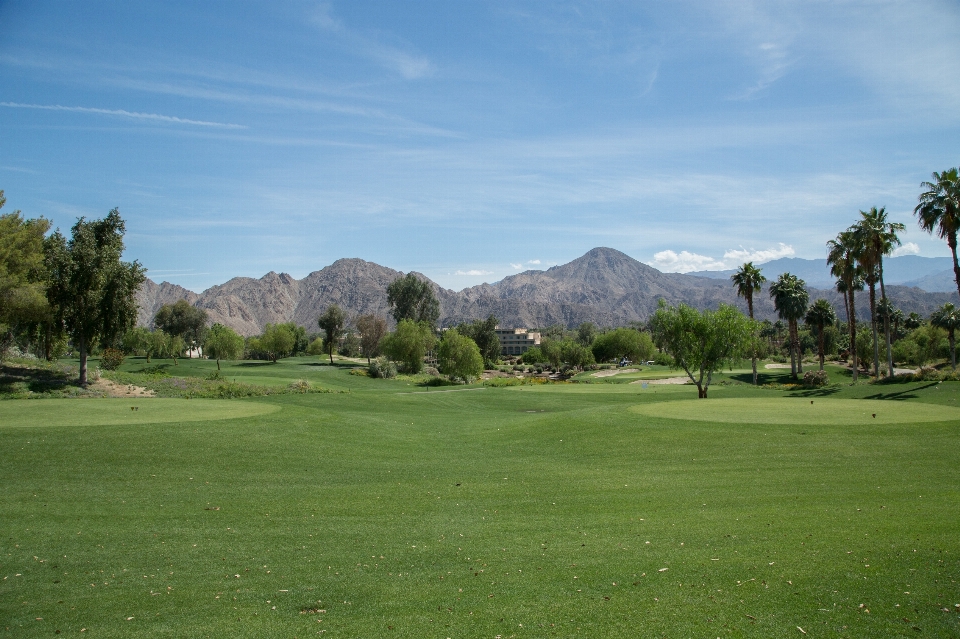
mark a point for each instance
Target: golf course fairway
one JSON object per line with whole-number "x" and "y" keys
{"x": 789, "y": 410}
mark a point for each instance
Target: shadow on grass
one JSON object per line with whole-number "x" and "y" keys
{"x": 254, "y": 364}
{"x": 816, "y": 392}
{"x": 901, "y": 395}
{"x": 347, "y": 365}
{"x": 763, "y": 377}
{"x": 16, "y": 379}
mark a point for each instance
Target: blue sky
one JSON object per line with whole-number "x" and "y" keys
{"x": 472, "y": 140}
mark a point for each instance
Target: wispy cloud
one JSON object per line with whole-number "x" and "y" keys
{"x": 516, "y": 266}
{"x": 742, "y": 255}
{"x": 154, "y": 117}
{"x": 533, "y": 261}
{"x": 474, "y": 272}
{"x": 395, "y": 58}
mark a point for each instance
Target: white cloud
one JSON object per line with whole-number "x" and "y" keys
{"x": 685, "y": 261}
{"x": 910, "y": 248}
{"x": 742, "y": 255}
{"x": 533, "y": 261}
{"x": 516, "y": 266}
{"x": 474, "y": 272}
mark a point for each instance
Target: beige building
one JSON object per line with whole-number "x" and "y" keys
{"x": 516, "y": 341}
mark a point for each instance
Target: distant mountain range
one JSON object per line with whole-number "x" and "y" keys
{"x": 931, "y": 274}
{"x": 603, "y": 286}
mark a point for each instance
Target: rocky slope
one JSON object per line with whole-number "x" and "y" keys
{"x": 604, "y": 286}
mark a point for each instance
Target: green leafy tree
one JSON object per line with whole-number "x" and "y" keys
{"x": 913, "y": 321}
{"x": 277, "y": 341}
{"x": 332, "y": 322}
{"x": 484, "y": 333}
{"x": 790, "y": 299}
{"x": 939, "y": 211}
{"x": 622, "y": 343}
{"x": 552, "y": 352}
{"x": 701, "y": 342}
{"x": 842, "y": 258}
{"x": 533, "y": 355}
{"x": 748, "y": 279}
{"x": 878, "y": 237}
{"x": 586, "y": 333}
{"x": 413, "y": 299}
{"x": 23, "y": 275}
{"x": 947, "y": 317}
{"x": 157, "y": 344}
{"x": 136, "y": 341}
{"x": 409, "y": 343}
{"x": 372, "y": 328}
{"x": 576, "y": 355}
{"x": 821, "y": 315}
{"x": 182, "y": 319}
{"x": 92, "y": 292}
{"x": 223, "y": 342}
{"x": 459, "y": 356}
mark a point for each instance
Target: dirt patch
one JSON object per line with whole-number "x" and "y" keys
{"x": 665, "y": 380}
{"x": 615, "y": 371}
{"x": 112, "y": 389}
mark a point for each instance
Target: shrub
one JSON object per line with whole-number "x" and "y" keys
{"x": 360, "y": 372}
{"x": 300, "y": 386}
{"x": 382, "y": 368}
{"x": 215, "y": 376}
{"x": 111, "y": 359}
{"x": 662, "y": 359}
{"x": 815, "y": 379}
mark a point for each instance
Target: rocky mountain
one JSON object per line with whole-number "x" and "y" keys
{"x": 604, "y": 286}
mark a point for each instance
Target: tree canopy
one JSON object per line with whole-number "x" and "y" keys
{"x": 790, "y": 299}
{"x": 484, "y": 334}
{"x": 184, "y": 320}
{"x": 332, "y": 322}
{"x": 409, "y": 343}
{"x": 459, "y": 356}
{"x": 278, "y": 341}
{"x": 92, "y": 292}
{"x": 372, "y": 328}
{"x": 701, "y": 342}
{"x": 412, "y": 299}
{"x": 222, "y": 342}
{"x": 622, "y": 343}
{"x": 938, "y": 211}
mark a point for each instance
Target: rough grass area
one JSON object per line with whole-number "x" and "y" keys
{"x": 527, "y": 511}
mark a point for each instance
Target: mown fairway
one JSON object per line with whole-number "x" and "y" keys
{"x": 568, "y": 510}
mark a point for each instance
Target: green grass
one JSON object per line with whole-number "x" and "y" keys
{"x": 573, "y": 510}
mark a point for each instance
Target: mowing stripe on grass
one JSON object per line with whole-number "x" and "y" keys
{"x": 97, "y": 412}
{"x": 788, "y": 410}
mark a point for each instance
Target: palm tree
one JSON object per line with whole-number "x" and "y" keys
{"x": 877, "y": 237}
{"x": 948, "y": 318}
{"x": 939, "y": 209}
{"x": 748, "y": 279}
{"x": 841, "y": 256}
{"x": 821, "y": 314}
{"x": 790, "y": 299}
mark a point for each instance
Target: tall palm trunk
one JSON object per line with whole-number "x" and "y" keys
{"x": 753, "y": 348}
{"x": 820, "y": 346}
{"x": 952, "y": 243}
{"x": 791, "y": 330}
{"x": 886, "y": 321}
{"x": 852, "y": 319}
{"x": 873, "y": 327}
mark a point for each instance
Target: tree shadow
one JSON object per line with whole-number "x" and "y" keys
{"x": 816, "y": 392}
{"x": 901, "y": 395}
{"x": 14, "y": 379}
{"x": 254, "y": 364}
{"x": 334, "y": 365}
{"x": 763, "y": 377}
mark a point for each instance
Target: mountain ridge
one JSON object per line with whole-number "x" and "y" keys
{"x": 603, "y": 286}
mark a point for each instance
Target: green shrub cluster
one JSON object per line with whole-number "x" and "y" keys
{"x": 382, "y": 368}
{"x": 815, "y": 379}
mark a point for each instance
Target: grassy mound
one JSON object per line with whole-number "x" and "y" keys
{"x": 799, "y": 410}
{"x": 56, "y": 413}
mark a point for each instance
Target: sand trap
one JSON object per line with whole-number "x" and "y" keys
{"x": 777, "y": 366}
{"x": 614, "y": 371}
{"x": 112, "y": 389}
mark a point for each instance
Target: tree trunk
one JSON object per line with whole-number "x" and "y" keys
{"x": 218, "y": 363}
{"x": 952, "y": 243}
{"x": 873, "y": 327}
{"x": 793, "y": 350}
{"x": 821, "y": 349}
{"x": 852, "y": 319}
{"x": 83, "y": 361}
{"x": 753, "y": 349}
{"x": 953, "y": 351}
{"x": 886, "y": 321}
{"x": 701, "y": 392}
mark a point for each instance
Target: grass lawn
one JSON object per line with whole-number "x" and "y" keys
{"x": 569, "y": 510}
